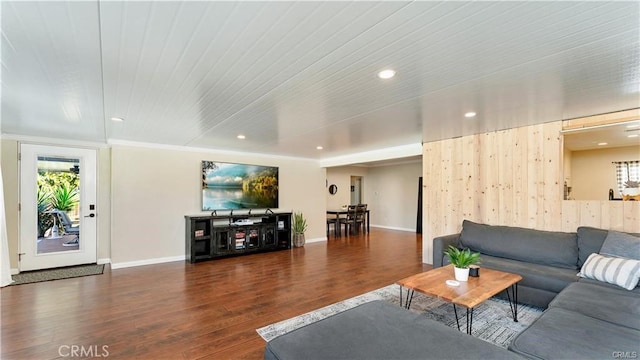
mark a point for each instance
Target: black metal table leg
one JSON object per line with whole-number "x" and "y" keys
{"x": 407, "y": 301}
{"x": 455, "y": 311}
{"x": 469, "y": 320}
{"x": 409, "y": 298}
{"x": 513, "y": 304}
{"x": 514, "y": 288}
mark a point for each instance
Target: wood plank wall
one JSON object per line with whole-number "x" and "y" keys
{"x": 510, "y": 177}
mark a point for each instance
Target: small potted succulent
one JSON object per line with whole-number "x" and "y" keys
{"x": 461, "y": 259}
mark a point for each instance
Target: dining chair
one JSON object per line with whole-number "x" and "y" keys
{"x": 351, "y": 221}
{"x": 332, "y": 220}
{"x": 361, "y": 213}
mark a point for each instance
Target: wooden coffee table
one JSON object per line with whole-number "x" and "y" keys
{"x": 468, "y": 294}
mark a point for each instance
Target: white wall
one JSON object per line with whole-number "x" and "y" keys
{"x": 104, "y": 205}
{"x": 341, "y": 177}
{"x": 9, "y": 162}
{"x": 593, "y": 173}
{"x": 391, "y": 192}
{"x": 153, "y": 189}
{"x": 144, "y": 194}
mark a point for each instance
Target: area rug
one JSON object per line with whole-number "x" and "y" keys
{"x": 57, "y": 274}
{"x": 492, "y": 320}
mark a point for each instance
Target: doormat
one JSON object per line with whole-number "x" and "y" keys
{"x": 29, "y": 277}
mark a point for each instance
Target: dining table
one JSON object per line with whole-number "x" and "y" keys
{"x": 343, "y": 212}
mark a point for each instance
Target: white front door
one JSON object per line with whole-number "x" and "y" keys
{"x": 57, "y": 206}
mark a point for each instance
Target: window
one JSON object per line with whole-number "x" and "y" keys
{"x": 626, "y": 171}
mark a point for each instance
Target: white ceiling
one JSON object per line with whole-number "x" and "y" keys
{"x": 602, "y": 137}
{"x": 294, "y": 75}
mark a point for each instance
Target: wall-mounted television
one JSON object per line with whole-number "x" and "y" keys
{"x": 228, "y": 186}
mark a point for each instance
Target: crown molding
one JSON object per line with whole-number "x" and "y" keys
{"x": 375, "y": 155}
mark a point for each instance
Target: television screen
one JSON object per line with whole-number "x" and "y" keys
{"x": 227, "y": 186}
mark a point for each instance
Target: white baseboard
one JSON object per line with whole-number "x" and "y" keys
{"x": 393, "y": 228}
{"x": 309, "y": 241}
{"x": 103, "y": 261}
{"x": 15, "y": 271}
{"x": 146, "y": 262}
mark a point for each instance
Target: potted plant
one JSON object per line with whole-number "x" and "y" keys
{"x": 45, "y": 220}
{"x": 64, "y": 197}
{"x": 631, "y": 189}
{"x": 299, "y": 227}
{"x": 461, "y": 259}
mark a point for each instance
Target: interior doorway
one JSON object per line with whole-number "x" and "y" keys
{"x": 57, "y": 207}
{"x": 356, "y": 190}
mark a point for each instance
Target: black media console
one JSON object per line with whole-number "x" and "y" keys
{"x": 213, "y": 236}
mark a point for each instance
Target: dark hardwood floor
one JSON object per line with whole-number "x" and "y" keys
{"x": 209, "y": 310}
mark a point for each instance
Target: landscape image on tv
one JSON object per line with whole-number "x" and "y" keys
{"x": 227, "y": 186}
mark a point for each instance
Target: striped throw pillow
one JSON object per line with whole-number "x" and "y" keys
{"x": 612, "y": 270}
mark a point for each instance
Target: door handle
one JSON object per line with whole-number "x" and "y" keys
{"x": 91, "y": 215}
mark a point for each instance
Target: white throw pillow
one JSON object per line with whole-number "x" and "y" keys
{"x": 612, "y": 270}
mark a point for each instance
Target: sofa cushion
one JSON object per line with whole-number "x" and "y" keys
{"x": 557, "y": 249}
{"x": 533, "y": 275}
{"x": 621, "y": 245}
{"x": 378, "y": 330}
{"x": 564, "y": 334}
{"x": 616, "y": 306}
{"x": 603, "y": 284}
{"x": 612, "y": 270}
{"x": 590, "y": 241}
{"x": 532, "y": 296}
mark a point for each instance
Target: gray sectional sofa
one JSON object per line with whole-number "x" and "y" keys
{"x": 379, "y": 330}
{"x": 548, "y": 261}
{"x": 584, "y": 319}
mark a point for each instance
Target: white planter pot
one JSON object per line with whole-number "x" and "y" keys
{"x": 461, "y": 274}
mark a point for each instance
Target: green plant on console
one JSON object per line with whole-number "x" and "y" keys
{"x": 462, "y": 258}
{"x": 299, "y": 223}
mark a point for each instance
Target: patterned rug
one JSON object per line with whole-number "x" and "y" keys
{"x": 57, "y": 274}
{"x": 492, "y": 320}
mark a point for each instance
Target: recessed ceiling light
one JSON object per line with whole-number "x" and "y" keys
{"x": 633, "y": 135}
{"x": 386, "y": 74}
{"x": 119, "y": 119}
{"x": 470, "y": 114}
{"x": 319, "y": 147}
{"x": 241, "y": 137}
{"x": 603, "y": 144}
